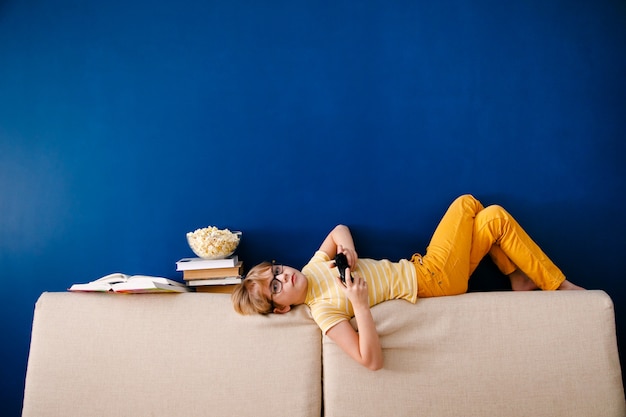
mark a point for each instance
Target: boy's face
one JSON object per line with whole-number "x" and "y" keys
{"x": 292, "y": 289}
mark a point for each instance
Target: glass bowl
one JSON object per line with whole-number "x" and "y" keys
{"x": 213, "y": 243}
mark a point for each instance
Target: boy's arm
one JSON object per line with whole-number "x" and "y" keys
{"x": 339, "y": 240}
{"x": 364, "y": 346}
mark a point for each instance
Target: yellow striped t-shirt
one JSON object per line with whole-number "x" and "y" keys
{"x": 386, "y": 280}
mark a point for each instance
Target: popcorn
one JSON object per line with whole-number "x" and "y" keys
{"x": 211, "y": 242}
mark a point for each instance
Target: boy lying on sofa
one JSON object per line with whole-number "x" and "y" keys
{"x": 467, "y": 232}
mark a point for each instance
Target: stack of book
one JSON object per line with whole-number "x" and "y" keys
{"x": 211, "y": 275}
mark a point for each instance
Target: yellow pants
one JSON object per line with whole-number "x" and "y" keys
{"x": 467, "y": 232}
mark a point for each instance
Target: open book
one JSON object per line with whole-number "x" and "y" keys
{"x": 130, "y": 284}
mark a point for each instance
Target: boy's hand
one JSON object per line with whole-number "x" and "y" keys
{"x": 355, "y": 290}
{"x": 351, "y": 255}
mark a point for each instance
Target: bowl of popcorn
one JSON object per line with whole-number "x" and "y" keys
{"x": 213, "y": 243}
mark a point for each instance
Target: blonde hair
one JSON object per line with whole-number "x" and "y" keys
{"x": 248, "y": 297}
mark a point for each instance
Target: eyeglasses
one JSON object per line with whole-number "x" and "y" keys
{"x": 276, "y": 286}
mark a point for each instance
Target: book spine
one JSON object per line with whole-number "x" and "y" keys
{"x": 189, "y": 275}
{"x": 199, "y": 263}
{"x": 220, "y": 289}
{"x": 215, "y": 281}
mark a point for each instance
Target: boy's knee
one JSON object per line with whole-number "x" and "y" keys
{"x": 494, "y": 211}
{"x": 469, "y": 201}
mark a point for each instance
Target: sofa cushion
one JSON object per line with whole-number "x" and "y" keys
{"x": 485, "y": 354}
{"x": 169, "y": 355}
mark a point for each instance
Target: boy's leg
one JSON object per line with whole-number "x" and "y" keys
{"x": 495, "y": 226}
{"x": 519, "y": 280}
{"x": 447, "y": 259}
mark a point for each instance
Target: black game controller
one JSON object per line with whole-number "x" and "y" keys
{"x": 341, "y": 262}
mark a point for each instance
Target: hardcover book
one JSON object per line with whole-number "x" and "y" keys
{"x": 186, "y": 264}
{"x": 193, "y": 274}
{"x": 123, "y": 283}
{"x": 215, "y": 281}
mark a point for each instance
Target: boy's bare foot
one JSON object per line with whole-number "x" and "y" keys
{"x": 521, "y": 282}
{"x": 566, "y": 285}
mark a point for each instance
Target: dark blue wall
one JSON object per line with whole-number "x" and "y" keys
{"x": 125, "y": 124}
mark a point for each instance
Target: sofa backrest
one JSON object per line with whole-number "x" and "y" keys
{"x": 485, "y": 354}
{"x": 169, "y": 355}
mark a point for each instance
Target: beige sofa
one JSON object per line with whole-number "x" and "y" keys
{"x": 481, "y": 354}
